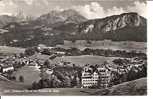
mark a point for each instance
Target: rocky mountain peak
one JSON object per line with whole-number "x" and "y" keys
{"x": 113, "y": 23}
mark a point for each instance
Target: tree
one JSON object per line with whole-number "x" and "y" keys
{"x": 73, "y": 40}
{"x": 75, "y": 51}
{"x": 56, "y": 83}
{"x": 46, "y": 52}
{"x": 21, "y": 79}
{"x": 121, "y": 61}
{"x": 74, "y": 82}
{"x": 115, "y": 78}
{"x": 87, "y": 51}
{"x": 89, "y": 42}
{"x": 94, "y": 68}
{"x": 144, "y": 71}
{"x": 34, "y": 85}
{"x": 66, "y": 82}
{"x": 14, "y": 78}
{"x": 30, "y": 51}
{"x": 47, "y": 63}
{"x": 9, "y": 73}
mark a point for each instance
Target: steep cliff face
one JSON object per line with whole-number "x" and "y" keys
{"x": 112, "y": 23}
{"x": 60, "y": 17}
{"x": 127, "y": 26}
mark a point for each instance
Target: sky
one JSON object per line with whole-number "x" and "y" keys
{"x": 90, "y": 9}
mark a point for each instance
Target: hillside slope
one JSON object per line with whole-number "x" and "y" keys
{"x": 124, "y": 27}
{"x": 5, "y": 19}
{"x": 136, "y": 87}
{"x": 6, "y": 85}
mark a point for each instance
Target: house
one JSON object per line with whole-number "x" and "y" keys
{"x": 123, "y": 69}
{"x": 89, "y": 79}
{"x": 100, "y": 77}
{"x": 33, "y": 63}
{"x": 6, "y": 68}
{"x": 104, "y": 76}
{"x": 49, "y": 71}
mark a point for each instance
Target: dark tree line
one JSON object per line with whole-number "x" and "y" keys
{"x": 76, "y": 52}
{"x": 133, "y": 74}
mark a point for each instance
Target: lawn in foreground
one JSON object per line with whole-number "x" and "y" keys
{"x": 135, "y": 87}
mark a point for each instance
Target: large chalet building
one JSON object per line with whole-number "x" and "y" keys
{"x": 100, "y": 77}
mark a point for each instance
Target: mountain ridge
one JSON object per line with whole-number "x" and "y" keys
{"x": 105, "y": 27}
{"x": 123, "y": 27}
{"x": 54, "y": 17}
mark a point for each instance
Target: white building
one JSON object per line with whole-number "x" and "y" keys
{"x": 4, "y": 68}
{"x": 89, "y": 79}
{"x": 100, "y": 78}
{"x": 104, "y": 76}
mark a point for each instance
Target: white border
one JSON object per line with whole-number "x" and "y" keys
{"x": 150, "y": 69}
{"x": 150, "y": 48}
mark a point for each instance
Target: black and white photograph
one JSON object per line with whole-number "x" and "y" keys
{"x": 73, "y": 47}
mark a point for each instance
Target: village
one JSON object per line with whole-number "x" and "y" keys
{"x": 67, "y": 74}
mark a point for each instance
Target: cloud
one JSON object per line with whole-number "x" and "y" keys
{"x": 58, "y": 8}
{"x": 28, "y": 7}
{"x": 90, "y": 10}
{"x": 114, "y": 11}
{"x": 8, "y": 7}
{"x": 95, "y": 10}
{"x": 139, "y": 7}
{"x": 45, "y": 2}
{"x": 33, "y": 2}
{"x": 29, "y": 2}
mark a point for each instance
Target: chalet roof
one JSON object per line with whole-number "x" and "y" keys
{"x": 6, "y": 66}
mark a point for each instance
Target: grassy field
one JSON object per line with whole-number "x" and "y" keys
{"x": 82, "y": 44}
{"x": 106, "y": 44}
{"x": 78, "y": 60}
{"x": 30, "y": 74}
{"x": 131, "y": 88}
{"x": 136, "y": 87}
{"x": 14, "y": 88}
{"x": 11, "y": 50}
{"x": 86, "y": 59}
{"x": 6, "y": 85}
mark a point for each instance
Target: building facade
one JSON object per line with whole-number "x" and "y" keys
{"x": 5, "y": 68}
{"x": 99, "y": 78}
{"x": 104, "y": 76}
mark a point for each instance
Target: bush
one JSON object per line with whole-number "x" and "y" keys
{"x": 21, "y": 79}
{"x": 14, "y": 78}
{"x": 34, "y": 85}
{"x": 30, "y": 51}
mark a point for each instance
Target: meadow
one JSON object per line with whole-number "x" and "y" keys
{"x": 107, "y": 44}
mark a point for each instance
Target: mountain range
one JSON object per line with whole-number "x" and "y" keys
{"x": 124, "y": 27}
{"x": 56, "y": 26}
{"x": 5, "y": 19}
